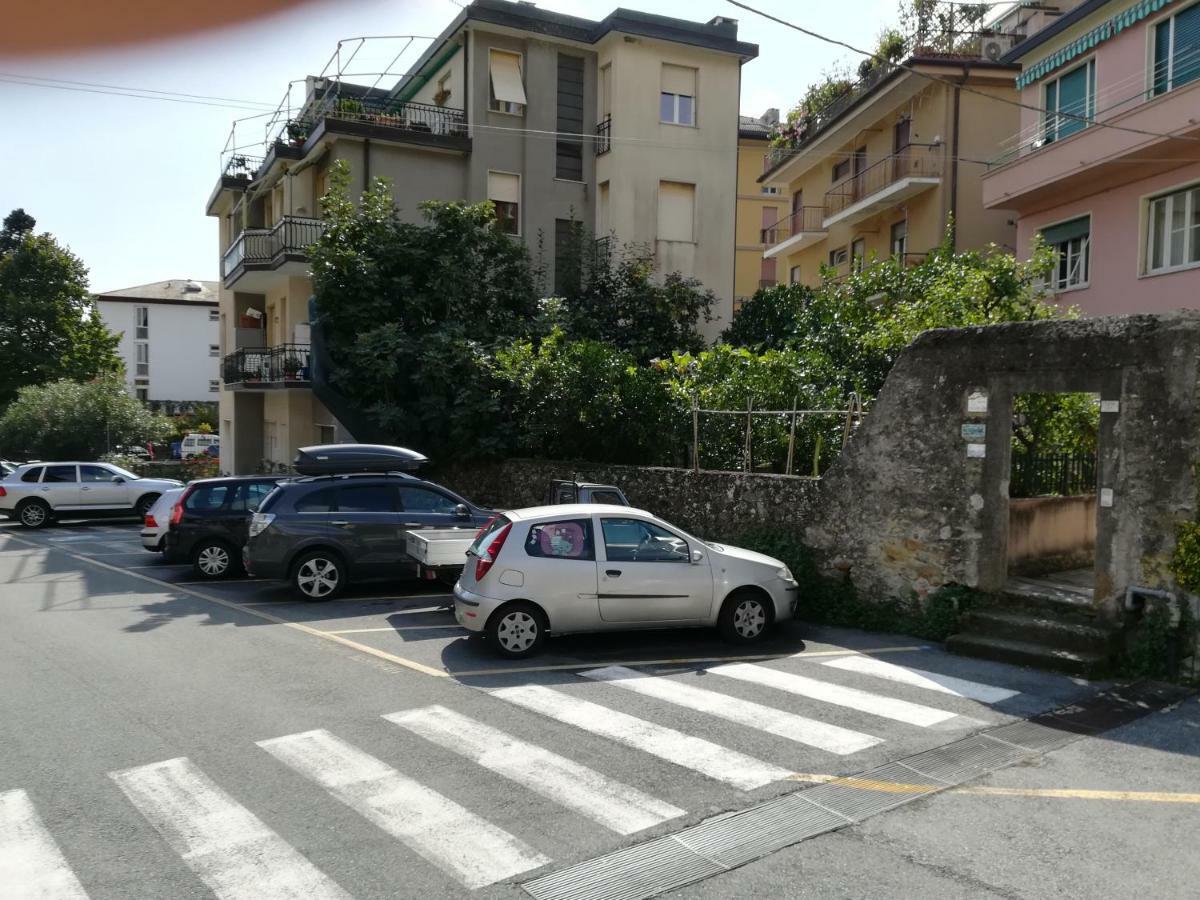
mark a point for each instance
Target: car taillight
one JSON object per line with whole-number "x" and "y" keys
{"x": 150, "y": 523}
{"x": 4, "y": 493}
{"x": 177, "y": 513}
{"x": 488, "y": 557}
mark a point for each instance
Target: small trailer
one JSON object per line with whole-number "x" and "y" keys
{"x": 439, "y": 552}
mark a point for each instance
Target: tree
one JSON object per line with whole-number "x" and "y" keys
{"x": 49, "y": 325}
{"x": 77, "y": 420}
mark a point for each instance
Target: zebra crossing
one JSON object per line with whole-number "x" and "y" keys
{"x": 238, "y": 856}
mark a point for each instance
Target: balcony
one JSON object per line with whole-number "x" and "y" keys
{"x": 267, "y": 368}
{"x": 604, "y": 136}
{"x": 258, "y": 250}
{"x": 892, "y": 180}
{"x": 803, "y": 228}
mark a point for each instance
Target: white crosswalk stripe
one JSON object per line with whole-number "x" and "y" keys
{"x": 836, "y": 694}
{"x": 802, "y": 730}
{"x": 697, "y": 754}
{"x": 31, "y": 865}
{"x": 933, "y": 681}
{"x": 449, "y": 836}
{"x": 225, "y": 844}
{"x": 617, "y": 806}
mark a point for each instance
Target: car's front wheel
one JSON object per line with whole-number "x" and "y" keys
{"x": 517, "y": 630}
{"x": 34, "y": 514}
{"x": 319, "y": 575}
{"x": 745, "y": 618}
{"x": 213, "y": 559}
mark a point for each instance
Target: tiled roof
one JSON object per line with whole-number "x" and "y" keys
{"x": 177, "y": 290}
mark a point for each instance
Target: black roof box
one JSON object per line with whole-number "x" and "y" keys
{"x": 340, "y": 459}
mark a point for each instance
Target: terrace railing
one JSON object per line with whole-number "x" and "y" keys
{"x": 914, "y": 161}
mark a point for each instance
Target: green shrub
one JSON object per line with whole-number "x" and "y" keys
{"x": 1185, "y": 562}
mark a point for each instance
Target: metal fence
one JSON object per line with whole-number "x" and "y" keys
{"x": 783, "y": 441}
{"x": 1061, "y": 475}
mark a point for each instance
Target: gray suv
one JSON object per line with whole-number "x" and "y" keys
{"x": 322, "y": 532}
{"x": 37, "y": 493}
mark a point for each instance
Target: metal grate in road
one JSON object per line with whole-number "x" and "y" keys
{"x": 636, "y": 872}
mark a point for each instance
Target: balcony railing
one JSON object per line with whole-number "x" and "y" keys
{"x": 269, "y": 247}
{"x": 805, "y": 220}
{"x": 604, "y": 135}
{"x": 914, "y": 161}
{"x": 415, "y": 117}
{"x": 284, "y": 364}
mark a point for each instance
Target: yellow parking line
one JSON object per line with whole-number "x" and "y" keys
{"x": 899, "y": 787}
{"x": 394, "y": 628}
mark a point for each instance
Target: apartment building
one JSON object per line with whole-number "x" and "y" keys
{"x": 759, "y": 206}
{"x": 170, "y": 338}
{"x": 627, "y": 125}
{"x": 885, "y": 167}
{"x": 1108, "y": 173}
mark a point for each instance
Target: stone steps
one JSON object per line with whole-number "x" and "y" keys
{"x": 1039, "y": 627}
{"x": 1025, "y": 653}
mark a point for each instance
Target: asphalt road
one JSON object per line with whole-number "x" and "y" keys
{"x": 163, "y": 738}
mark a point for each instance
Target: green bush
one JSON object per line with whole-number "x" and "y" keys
{"x": 1185, "y": 562}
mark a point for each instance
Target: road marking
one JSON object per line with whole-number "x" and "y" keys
{"x": 218, "y": 581}
{"x": 836, "y": 694}
{"x": 802, "y": 730}
{"x": 32, "y": 866}
{"x": 288, "y": 600}
{"x": 614, "y": 805}
{"x": 893, "y": 787}
{"x": 259, "y": 614}
{"x": 680, "y": 661}
{"x": 451, "y": 837}
{"x": 697, "y": 754}
{"x": 225, "y": 844}
{"x": 396, "y": 628}
{"x": 933, "y": 681}
{"x": 161, "y": 566}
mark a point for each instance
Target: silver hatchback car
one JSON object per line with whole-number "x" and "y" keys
{"x": 584, "y": 567}
{"x": 36, "y": 493}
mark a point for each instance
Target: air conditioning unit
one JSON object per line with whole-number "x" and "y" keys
{"x": 994, "y": 46}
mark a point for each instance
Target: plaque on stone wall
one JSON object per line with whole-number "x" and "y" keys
{"x": 974, "y": 431}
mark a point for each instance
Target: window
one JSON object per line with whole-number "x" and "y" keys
{"x": 858, "y": 253}
{"x": 767, "y": 272}
{"x": 1177, "y": 51}
{"x": 60, "y": 475}
{"x": 368, "y": 498}
{"x": 1072, "y": 242}
{"x": 568, "y": 163}
{"x": 1173, "y": 240}
{"x": 772, "y": 189}
{"x": 142, "y": 358}
{"x": 899, "y": 239}
{"x": 209, "y": 497}
{"x": 677, "y": 98}
{"x": 95, "y": 474}
{"x": 504, "y": 190}
{"x": 676, "y": 211}
{"x": 1073, "y": 94}
{"x": 325, "y": 434}
{"x": 841, "y": 170}
{"x": 142, "y": 394}
{"x": 214, "y": 349}
{"x": 319, "y": 501}
{"x": 634, "y": 540}
{"x": 214, "y": 386}
{"x": 423, "y": 500}
{"x": 30, "y": 476}
{"x": 141, "y": 321}
{"x": 255, "y": 494}
{"x": 838, "y": 257}
{"x": 611, "y": 497}
{"x": 794, "y": 275}
{"x": 571, "y": 539}
{"x": 507, "y": 86}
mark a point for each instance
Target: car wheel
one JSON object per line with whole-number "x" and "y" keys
{"x": 142, "y": 508}
{"x": 517, "y": 630}
{"x": 33, "y": 514}
{"x": 319, "y": 575}
{"x": 745, "y": 618}
{"x": 213, "y": 559}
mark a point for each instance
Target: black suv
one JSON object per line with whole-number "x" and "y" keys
{"x": 210, "y": 521}
{"x": 323, "y": 531}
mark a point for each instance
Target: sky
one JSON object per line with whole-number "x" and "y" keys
{"x": 123, "y": 181}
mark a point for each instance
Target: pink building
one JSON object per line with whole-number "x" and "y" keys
{"x": 1107, "y": 163}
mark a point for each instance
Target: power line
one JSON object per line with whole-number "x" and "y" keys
{"x": 88, "y": 90}
{"x": 1087, "y": 120}
{"x": 119, "y": 87}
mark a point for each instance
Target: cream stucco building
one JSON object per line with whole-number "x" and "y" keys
{"x": 628, "y": 125}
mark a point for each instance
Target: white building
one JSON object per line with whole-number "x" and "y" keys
{"x": 170, "y": 338}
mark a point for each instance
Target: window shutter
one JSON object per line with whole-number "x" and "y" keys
{"x": 678, "y": 80}
{"x": 1186, "y": 58}
{"x": 506, "y": 77}
{"x": 1162, "y": 49}
{"x": 676, "y": 211}
{"x": 504, "y": 187}
{"x": 1072, "y": 98}
{"x": 1065, "y": 231}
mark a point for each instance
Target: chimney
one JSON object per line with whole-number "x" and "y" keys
{"x": 727, "y": 27}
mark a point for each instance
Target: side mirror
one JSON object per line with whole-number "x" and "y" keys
{"x": 697, "y": 557}
{"x": 117, "y": 479}
{"x": 462, "y": 511}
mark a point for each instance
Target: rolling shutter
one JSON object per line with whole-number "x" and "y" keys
{"x": 507, "y": 85}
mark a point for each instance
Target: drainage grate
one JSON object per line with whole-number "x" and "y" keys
{"x": 631, "y": 874}
{"x": 1033, "y": 736}
{"x": 873, "y": 792}
{"x": 968, "y": 758}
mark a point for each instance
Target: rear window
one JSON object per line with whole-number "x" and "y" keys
{"x": 322, "y": 500}
{"x": 611, "y": 497}
{"x": 209, "y": 497}
{"x": 366, "y": 498}
{"x": 31, "y": 475}
{"x": 485, "y": 534}
{"x": 567, "y": 539}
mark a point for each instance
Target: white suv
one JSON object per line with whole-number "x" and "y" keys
{"x": 37, "y": 493}
{"x": 586, "y": 567}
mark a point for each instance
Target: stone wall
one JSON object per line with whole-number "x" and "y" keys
{"x": 713, "y": 505}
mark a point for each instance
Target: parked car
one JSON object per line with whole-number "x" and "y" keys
{"x": 587, "y": 567}
{"x": 37, "y": 493}
{"x": 154, "y": 526}
{"x": 209, "y": 521}
{"x": 197, "y": 444}
{"x": 584, "y": 492}
{"x": 321, "y": 532}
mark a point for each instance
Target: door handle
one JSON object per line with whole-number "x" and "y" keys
{"x": 340, "y": 522}
{"x": 85, "y": 488}
{"x": 45, "y": 490}
{"x": 410, "y": 524}
{"x": 613, "y": 573}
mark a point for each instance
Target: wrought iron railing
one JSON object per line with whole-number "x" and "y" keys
{"x": 414, "y": 117}
{"x": 604, "y": 135}
{"x": 291, "y": 236}
{"x": 283, "y": 363}
{"x": 241, "y": 166}
{"x": 805, "y": 220}
{"x": 914, "y": 161}
{"x": 1061, "y": 474}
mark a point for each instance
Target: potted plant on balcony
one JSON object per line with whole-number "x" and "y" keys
{"x": 291, "y": 367}
{"x": 297, "y": 133}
